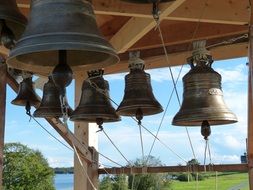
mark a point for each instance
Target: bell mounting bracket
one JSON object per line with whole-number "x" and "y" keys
{"x": 135, "y": 62}
{"x": 95, "y": 73}
{"x": 200, "y": 55}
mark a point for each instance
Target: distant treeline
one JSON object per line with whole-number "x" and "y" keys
{"x": 69, "y": 170}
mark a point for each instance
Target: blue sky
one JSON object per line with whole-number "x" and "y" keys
{"x": 227, "y": 142}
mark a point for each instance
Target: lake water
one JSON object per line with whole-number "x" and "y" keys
{"x": 64, "y": 181}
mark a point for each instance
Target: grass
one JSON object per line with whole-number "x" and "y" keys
{"x": 224, "y": 182}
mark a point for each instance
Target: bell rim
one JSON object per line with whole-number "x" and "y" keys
{"x": 131, "y": 110}
{"x": 45, "y": 111}
{"x": 199, "y": 122}
{"x": 27, "y": 51}
{"x": 87, "y": 118}
{"x": 23, "y": 102}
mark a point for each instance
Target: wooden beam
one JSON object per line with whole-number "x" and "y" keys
{"x": 170, "y": 169}
{"x": 236, "y": 12}
{"x": 3, "y": 70}
{"x": 67, "y": 135}
{"x": 250, "y": 110}
{"x": 136, "y": 28}
{"x": 182, "y": 32}
{"x": 86, "y": 133}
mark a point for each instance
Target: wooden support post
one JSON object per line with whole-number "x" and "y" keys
{"x": 250, "y": 110}
{"x": 3, "y": 70}
{"x": 86, "y": 134}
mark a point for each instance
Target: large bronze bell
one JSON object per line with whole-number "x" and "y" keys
{"x": 62, "y": 25}
{"x": 11, "y": 16}
{"x": 26, "y": 94}
{"x": 50, "y": 105}
{"x": 203, "y": 97}
{"x": 95, "y": 105}
{"x": 138, "y": 99}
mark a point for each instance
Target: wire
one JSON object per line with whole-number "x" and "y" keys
{"x": 109, "y": 159}
{"x": 206, "y": 144}
{"x": 116, "y": 147}
{"x": 102, "y": 91}
{"x": 174, "y": 84}
{"x": 49, "y": 132}
{"x": 142, "y": 147}
{"x": 164, "y": 114}
{"x": 170, "y": 149}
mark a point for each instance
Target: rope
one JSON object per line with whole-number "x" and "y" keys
{"x": 84, "y": 170}
{"x": 50, "y": 133}
{"x": 164, "y": 114}
{"x": 173, "y": 80}
{"x": 206, "y": 145}
{"x": 170, "y": 149}
{"x": 102, "y": 91}
{"x": 110, "y": 159}
{"x": 142, "y": 147}
{"x": 116, "y": 147}
{"x": 216, "y": 180}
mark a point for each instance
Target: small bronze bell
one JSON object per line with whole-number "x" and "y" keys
{"x": 50, "y": 105}
{"x": 95, "y": 105}
{"x": 203, "y": 96}
{"x": 56, "y": 25}
{"x": 11, "y": 17}
{"x": 26, "y": 94}
{"x": 138, "y": 99}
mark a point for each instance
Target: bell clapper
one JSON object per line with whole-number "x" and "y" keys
{"x": 139, "y": 115}
{"x": 100, "y": 122}
{"x": 205, "y": 129}
{"x": 62, "y": 76}
{"x": 156, "y": 11}
{"x": 205, "y": 132}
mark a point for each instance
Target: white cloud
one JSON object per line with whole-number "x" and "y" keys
{"x": 236, "y": 74}
{"x": 60, "y": 161}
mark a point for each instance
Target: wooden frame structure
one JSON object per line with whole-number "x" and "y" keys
{"x": 130, "y": 27}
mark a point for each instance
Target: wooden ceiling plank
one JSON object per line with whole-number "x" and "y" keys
{"x": 136, "y": 28}
{"x": 120, "y": 8}
{"x": 181, "y": 32}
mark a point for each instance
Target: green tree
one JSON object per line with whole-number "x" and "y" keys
{"x": 25, "y": 169}
{"x": 106, "y": 183}
{"x": 147, "y": 181}
{"x": 120, "y": 183}
{"x": 114, "y": 183}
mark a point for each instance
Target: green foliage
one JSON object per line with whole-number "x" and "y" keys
{"x": 25, "y": 169}
{"x": 193, "y": 162}
{"x": 147, "y": 181}
{"x": 114, "y": 183}
{"x": 106, "y": 183}
{"x": 184, "y": 177}
{"x": 121, "y": 183}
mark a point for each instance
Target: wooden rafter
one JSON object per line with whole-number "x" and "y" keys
{"x": 121, "y": 8}
{"x": 136, "y": 28}
{"x": 170, "y": 169}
